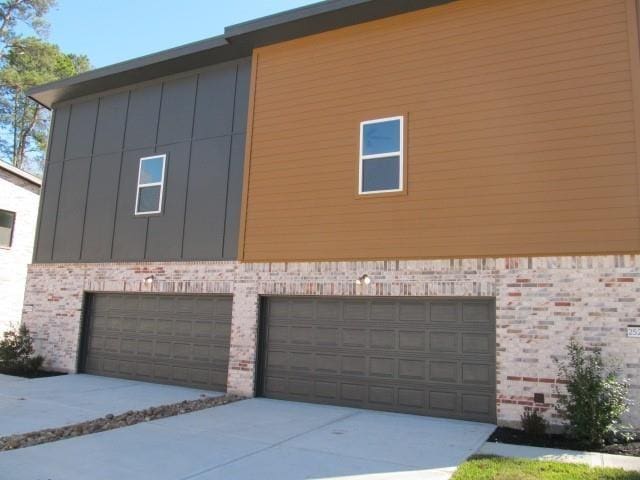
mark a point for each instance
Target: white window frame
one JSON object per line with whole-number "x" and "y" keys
{"x": 13, "y": 229}
{"x": 399, "y": 153}
{"x": 152, "y": 184}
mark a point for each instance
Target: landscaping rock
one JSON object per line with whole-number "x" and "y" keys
{"x": 111, "y": 422}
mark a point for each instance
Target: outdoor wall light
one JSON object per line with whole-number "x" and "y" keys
{"x": 364, "y": 279}
{"x": 149, "y": 280}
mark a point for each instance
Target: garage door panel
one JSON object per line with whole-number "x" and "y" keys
{"x": 329, "y": 310}
{"x": 411, "y": 398}
{"x": 301, "y": 335}
{"x": 412, "y": 312}
{"x": 440, "y": 371}
{"x": 326, "y": 390}
{"x": 351, "y": 392}
{"x": 355, "y": 311}
{"x": 384, "y": 396}
{"x": 384, "y": 339}
{"x": 301, "y": 361}
{"x": 476, "y": 313}
{"x": 476, "y": 404}
{"x": 476, "y": 343}
{"x": 412, "y": 369}
{"x": 353, "y": 365}
{"x": 354, "y": 337}
{"x": 382, "y": 367}
{"x": 443, "y": 401}
{"x": 327, "y": 337}
{"x": 175, "y": 339}
{"x": 415, "y": 356}
{"x": 302, "y": 309}
{"x": 476, "y": 374}
{"x": 443, "y": 342}
{"x": 383, "y": 311}
{"x": 444, "y": 312}
{"x": 411, "y": 340}
{"x": 327, "y": 363}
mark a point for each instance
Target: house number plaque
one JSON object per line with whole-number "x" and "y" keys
{"x": 633, "y": 331}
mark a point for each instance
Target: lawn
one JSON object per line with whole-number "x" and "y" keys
{"x": 498, "y": 468}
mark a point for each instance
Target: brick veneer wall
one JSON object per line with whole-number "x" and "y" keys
{"x": 21, "y": 197}
{"x": 541, "y": 303}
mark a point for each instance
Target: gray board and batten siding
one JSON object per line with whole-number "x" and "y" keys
{"x": 198, "y": 120}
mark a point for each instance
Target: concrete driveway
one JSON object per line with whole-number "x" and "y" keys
{"x": 30, "y": 405}
{"x": 259, "y": 439}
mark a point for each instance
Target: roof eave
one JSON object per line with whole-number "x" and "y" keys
{"x": 238, "y": 40}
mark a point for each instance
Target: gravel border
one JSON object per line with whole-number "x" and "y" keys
{"x": 112, "y": 422}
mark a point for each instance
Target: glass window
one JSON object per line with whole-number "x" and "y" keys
{"x": 7, "y": 222}
{"x": 150, "y": 184}
{"x": 381, "y": 174}
{"x": 381, "y": 155}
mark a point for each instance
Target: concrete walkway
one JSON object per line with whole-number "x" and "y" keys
{"x": 30, "y": 405}
{"x": 592, "y": 459}
{"x": 259, "y": 439}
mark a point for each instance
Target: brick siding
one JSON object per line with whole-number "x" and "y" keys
{"x": 541, "y": 303}
{"x": 21, "y": 197}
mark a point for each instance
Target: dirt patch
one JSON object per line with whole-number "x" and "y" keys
{"x": 111, "y": 422}
{"x": 518, "y": 437}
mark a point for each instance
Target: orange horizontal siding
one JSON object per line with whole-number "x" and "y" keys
{"x": 521, "y": 135}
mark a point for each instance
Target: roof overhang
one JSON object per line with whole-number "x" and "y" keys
{"x": 237, "y": 41}
{"x": 20, "y": 173}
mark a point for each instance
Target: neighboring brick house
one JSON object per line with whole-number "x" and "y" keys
{"x": 406, "y": 206}
{"x": 19, "y": 198}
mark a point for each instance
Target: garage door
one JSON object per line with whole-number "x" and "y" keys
{"x": 420, "y": 356}
{"x": 174, "y": 339}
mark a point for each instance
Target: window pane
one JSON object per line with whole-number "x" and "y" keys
{"x": 381, "y": 174}
{"x": 151, "y": 170}
{"x": 149, "y": 199}
{"x": 383, "y": 137}
{"x": 6, "y": 227}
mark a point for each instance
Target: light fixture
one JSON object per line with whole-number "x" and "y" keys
{"x": 149, "y": 280}
{"x": 363, "y": 279}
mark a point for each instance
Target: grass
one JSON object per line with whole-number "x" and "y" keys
{"x": 498, "y": 468}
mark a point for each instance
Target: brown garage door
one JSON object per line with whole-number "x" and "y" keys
{"x": 421, "y": 356}
{"x": 174, "y": 339}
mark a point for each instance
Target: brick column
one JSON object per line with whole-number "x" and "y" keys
{"x": 244, "y": 334}
{"x": 53, "y": 312}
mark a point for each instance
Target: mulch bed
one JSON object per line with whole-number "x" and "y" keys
{"x": 111, "y": 422}
{"x": 518, "y": 437}
{"x": 38, "y": 374}
{"x": 42, "y": 374}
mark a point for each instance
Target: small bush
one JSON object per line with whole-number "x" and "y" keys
{"x": 16, "y": 353}
{"x": 595, "y": 400}
{"x": 533, "y": 423}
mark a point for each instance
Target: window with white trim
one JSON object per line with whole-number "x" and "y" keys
{"x": 7, "y": 224}
{"x": 381, "y": 156}
{"x": 151, "y": 175}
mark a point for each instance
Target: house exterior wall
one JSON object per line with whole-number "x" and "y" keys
{"x": 21, "y": 197}
{"x": 522, "y": 135}
{"x": 198, "y": 119}
{"x": 541, "y": 303}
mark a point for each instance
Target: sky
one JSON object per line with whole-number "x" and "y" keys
{"x": 116, "y": 30}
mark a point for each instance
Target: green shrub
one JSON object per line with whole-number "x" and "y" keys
{"x": 16, "y": 353}
{"x": 533, "y": 423}
{"x": 595, "y": 398}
